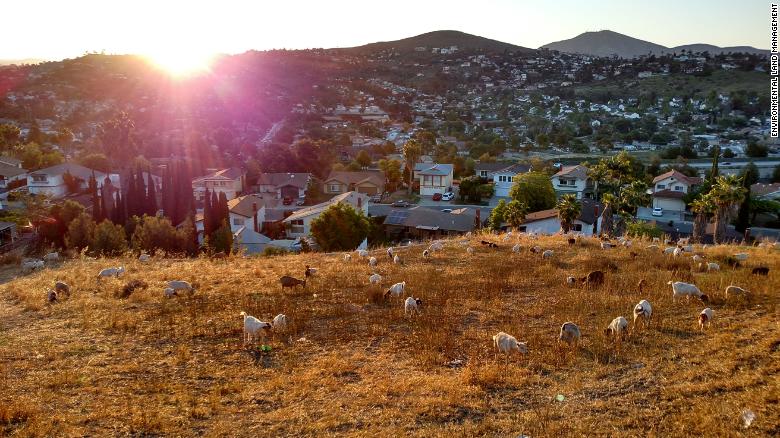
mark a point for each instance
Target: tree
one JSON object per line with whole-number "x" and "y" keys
{"x": 728, "y": 153}
{"x": 95, "y": 161}
{"x": 497, "y": 216}
{"x": 151, "y": 197}
{"x": 81, "y": 232}
{"x": 340, "y": 228}
{"x": 756, "y": 150}
{"x": 72, "y": 183}
{"x": 743, "y": 214}
{"x": 392, "y": 171}
{"x": 749, "y": 174}
{"x": 726, "y": 192}
{"x": 703, "y": 207}
{"x": 157, "y": 233}
{"x": 117, "y": 138}
{"x": 109, "y": 239}
{"x": 221, "y": 240}
{"x": 607, "y": 222}
{"x": 363, "y": 158}
{"x": 714, "y": 168}
{"x": 514, "y": 215}
{"x": 208, "y": 214}
{"x": 535, "y": 190}
{"x": 412, "y": 152}
{"x": 9, "y": 136}
{"x": 568, "y": 211}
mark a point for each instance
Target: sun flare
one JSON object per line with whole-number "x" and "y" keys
{"x": 181, "y": 62}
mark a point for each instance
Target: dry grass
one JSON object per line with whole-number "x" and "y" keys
{"x": 97, "y": 365}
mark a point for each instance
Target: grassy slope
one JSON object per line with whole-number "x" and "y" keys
{"x": 681, "y": 84}
{"x": 97, "y": 365}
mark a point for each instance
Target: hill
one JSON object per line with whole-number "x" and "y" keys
{"x": 442, "y": 38}
{"x": 353, "y": 365}
{"x": 608, "y": 43}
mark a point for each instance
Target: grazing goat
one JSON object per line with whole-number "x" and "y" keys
{"x": 643, "y": 310}
{"x": 436, "y": 246}
{"x": 111, "y": 272}
{"x": 52, "y": 257}
{"x": 705, "y": 318}
{"x": 653, "y": 247}
{"x": 309, "y": 272}
{"x": 372, "y": 262}
{"x": 279, "y": 323}
{"x": 169, "y": 292}
{"x": 735, "y": 291}
{"x": 347, "y": 257}
{"x": 536, "y": 249}
{"x": 760, "y": 270}
{"x": 131, "y": 286}
{"x": 412, "y": 305}
{"x": 31, "y": 265}
{"x": 291, "y": 282}
{"x": 697, "y": 259}
{"x": 390, "y": 253}
{"x": 51, "y": 296}
{"x": 517, "y": 248}
{"x": 181, "y": 285}
{"x": 670, "y": 250}
{"x": 593, "y": 278}
{"x": 395, "y": 290}
{"x": 712, "y": 266}
{"x": 742, "y": 256}
{"x": 680, "y": 289}
{"x": 397, "y": 260}
{"x": 375, "y": 279}
{"x": 572, "y": 241}
{"x": 570, "y": 334}
{"x": 488, "y": 244}
{"x": 570, "y": 280}
{"x": 677, "y": 251}
{"x": 617, "y": 327}
{"x": 470, "y": 250}
{"x": 548, "y": 254}
{"x": 606, "y": 245}
{"x": 506, "y": 344}
{"x": 426, "y": 254}
{"x": 143, "y": 258}
{"x": 62, "y": 288}
{"x": 253, "y": 327}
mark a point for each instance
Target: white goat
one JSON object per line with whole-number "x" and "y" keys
{"x": 617, "y": 327}
{"x": 570, "y": 280}
{"x": 31, "y": 265}
{"x": 347, "y": 257}
{"x": 507, "y": 344}
{"x": 735, "y": 291}
{"x": 570, "y": 334}
{"x": 742, "y": 256}
{"x": 372, "y": 262}
{"x": 470, "y": 250}
{"x": 397, "y": 259}
{"x": 643, "y": 310}
{"x": 390, "y": 252}
{"x": 436, "y": 246}
{"x": 548, "y": 254}
{"x": 517, "y": 248}
{"x": 712, "y": 266}
{"x": 678, "y": 251}
{"x": 375, "y": 279}
{"x": 652, "y": 247}
{"x": 169, "y": 292}
{"x": 395, "y": 290}
{"x": 111, "y": 272}
{"x": 680, "y": 289}
{"x": 178, "y": 285}
{"x": 698, "y": 259}
{"x": 412, "y": 305}
{"x": 253, "y": 327}
{"x": 670, "y": 250}
{"x": 606, "y": 245}
{"x": 280, "y": 322}
{"x": 143, "y": 258}
{"x": 705, "y": 318}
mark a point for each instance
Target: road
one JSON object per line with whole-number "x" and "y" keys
{"x": 269, "y": 136}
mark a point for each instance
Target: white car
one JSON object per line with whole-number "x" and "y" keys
{"x": 658, "y": 211}
{"x": 447, "y": 196}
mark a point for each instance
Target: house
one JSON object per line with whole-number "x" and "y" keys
{"x": 10, "y": 161}
{"x": 230, "y": 181}
{"x": 573, "y": 180}
{"x": 282, "y": 185}
{"x": 10, "y": 173}
{"x": 766, "y": 191}
{"x": 433, "y": 177}
{"x": 486, "y": 170}
{"x": 504, "y": 178}
{"x": 50, "y": 181}
{"x": 249, "y": 241}
{"x": 370, "y": 182}
{"x": 546, "y": 221}
{"x": 300, "y": 221}
{"x": 670, "y": 188}
{"x": 421, "y": 223}
{"x": 246, "y": 211}
{"x": 7, "y": 232}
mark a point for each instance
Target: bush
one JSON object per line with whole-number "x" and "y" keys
{"x": 81, "y": 232}
{"x": 221, "y": 240}
{"x": 153, "y": 233}
{"x": 109, "y": 239}
{"x": 642, "y": 229}
{"x": 271, "y": 251}
{"x": 340, "y": 227}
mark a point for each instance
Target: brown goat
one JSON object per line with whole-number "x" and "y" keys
{"x": 594, "y": 278}
{"x": 291, "y": 282}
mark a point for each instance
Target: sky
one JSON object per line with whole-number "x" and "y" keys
{"x": 57, "y": 29}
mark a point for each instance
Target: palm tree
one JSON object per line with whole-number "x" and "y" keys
{"x": 597, "y": 174}
{"x": 703, "y": 207}
{"x": 568, "y": 211}
{"x": 412, "y": 152}
{"x": 725, "y": 193}
{"x": 607, "y": 222}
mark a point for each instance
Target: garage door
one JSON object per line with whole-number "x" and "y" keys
{"x": 368, "y": 190}
{"x": 289, "y": 192}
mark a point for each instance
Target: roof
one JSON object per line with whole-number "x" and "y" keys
{"x": 282, "y": 179}
{"x": 243, "y": 205}
{"x": 4, "y": 225}
{"x": 10, "y": 171}
{"x": 232, "y": 173}
{"x": 513, "y": 168}
{"x": 248, "y": 236}
{"x": 760, "y": 189}
{"x": 579, "y": 171}
{"x": 376, "y": 177}
{"x": 433, "y": 169}
{"x": 678, "y": 176}
{"x": 430, "y": 219}
{"x": 587, "y": 212}
{"x": 277, "y": 214}
{"x": 666, "y": 193}
{"x": 72, "y": 168}
{"x": 490, "y": 167}
{"x": 348, "y": 197}
{"x": 10, "y": 160}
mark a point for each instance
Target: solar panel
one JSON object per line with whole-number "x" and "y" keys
{"x": 397, "y": 217}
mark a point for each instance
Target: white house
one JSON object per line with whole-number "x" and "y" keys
{"x": 246, "y": 211}
{"x": 573, "y": 180}
{"x": 51, "y": 180}
{"x": 670, "y": 188}
{"x": 504, "y": 178}
{"x": 249, "y": 241}
{"x": 433, "y": 177}
{"x": 300, "y": 221}
{"x": 546, "y": 221}
{"x": 230, "y": 181}
{"x": 283, "y": 185}
{"x": 10, "y": 173}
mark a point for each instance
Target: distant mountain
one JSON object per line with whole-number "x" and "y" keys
{"x": 21, "y": 61}
{"x": 608, "y": 43}
{"x": 440, "y": 39}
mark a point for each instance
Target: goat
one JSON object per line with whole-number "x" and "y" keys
{"x": 111, "y": 272}
{"x": 593, "y": 278}
{"x": 62, "y": 288}
{"x": 572, "y": 241}
{"x": 618, "y": 326}
{"x": 395, "y": 290}
{"x": 309, "y": 272}
{"x": 506, "y": 344}
{"x": 705, "y": 318}
{"x": 412, "y": 305}
{"x": 51, "y": 296}
{"x": 548, "y": 254}
{"x": 643, "y": 310}
{"x": 131, "y": 286}
{"x": 375, "y": 279}
{"x": 570, "y": 334}
{"x": 178, "y": 285}
{"x": 680, "y": 289}
{"x": 253, "y": 327}
{"x": 291, "y": 282}
{"x": 760, "y": 270}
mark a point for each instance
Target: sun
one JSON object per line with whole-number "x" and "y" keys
{"x": 181, "y": 62}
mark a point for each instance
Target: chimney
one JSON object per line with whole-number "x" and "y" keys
{"x": 595, "y": 220}
{"x": 254, "y": 215}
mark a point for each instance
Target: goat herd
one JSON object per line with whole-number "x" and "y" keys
{"x": 504, "y": 343}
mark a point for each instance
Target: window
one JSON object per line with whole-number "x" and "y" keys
{"x": 40, "y": 178}
{"x": 504, "y": 178}
{"x": 661, "y": 186}
{"x": 238, "y": 221}
{"x": 334, "y": 188}
{"x": 576, "y": 227}
{"x": 483, "y": 173}
{"x": 678, "y": 188}
{"x": 427, "y": 180}
{"x": 297, "y": 226}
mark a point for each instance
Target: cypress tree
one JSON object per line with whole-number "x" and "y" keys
{"x": 114, "y": 209}
{"x": 130, "y": 200}
{"x": 104, "y": 208}
{"x": 140, "y": 187}
{"x": 224, "y": 212}
{"x": 207, "y": 226}
{"x": 151, "y": 198}
{"x": 215, "y": 217}
{"x": 166, "y": 186}
{"x": 95, "y": 198}
{"x": 121, "y": 208}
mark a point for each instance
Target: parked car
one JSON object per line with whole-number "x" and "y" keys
{"x": 300, "y": 202}
{"x": 437, "y": 196}
{"x": 400, "y": 204}
{"x": 447, "y": 196}
{"x": 446, "y": 210}
{"x": 658, "y": 211}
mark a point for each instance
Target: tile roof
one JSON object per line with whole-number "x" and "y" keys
{"x": 299, "y": 180}
{"x": 73, "y": 168}
{"x": 579, "y": 171}
{"x": 243, "y": 205}
{"x": 10, "y": 171}
{"x": 376, "y": 177}
{"x": 679, "y": 176}
{"x": 433, "y": 169}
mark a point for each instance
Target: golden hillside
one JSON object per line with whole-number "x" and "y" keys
{"x": 351, "y": 365}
